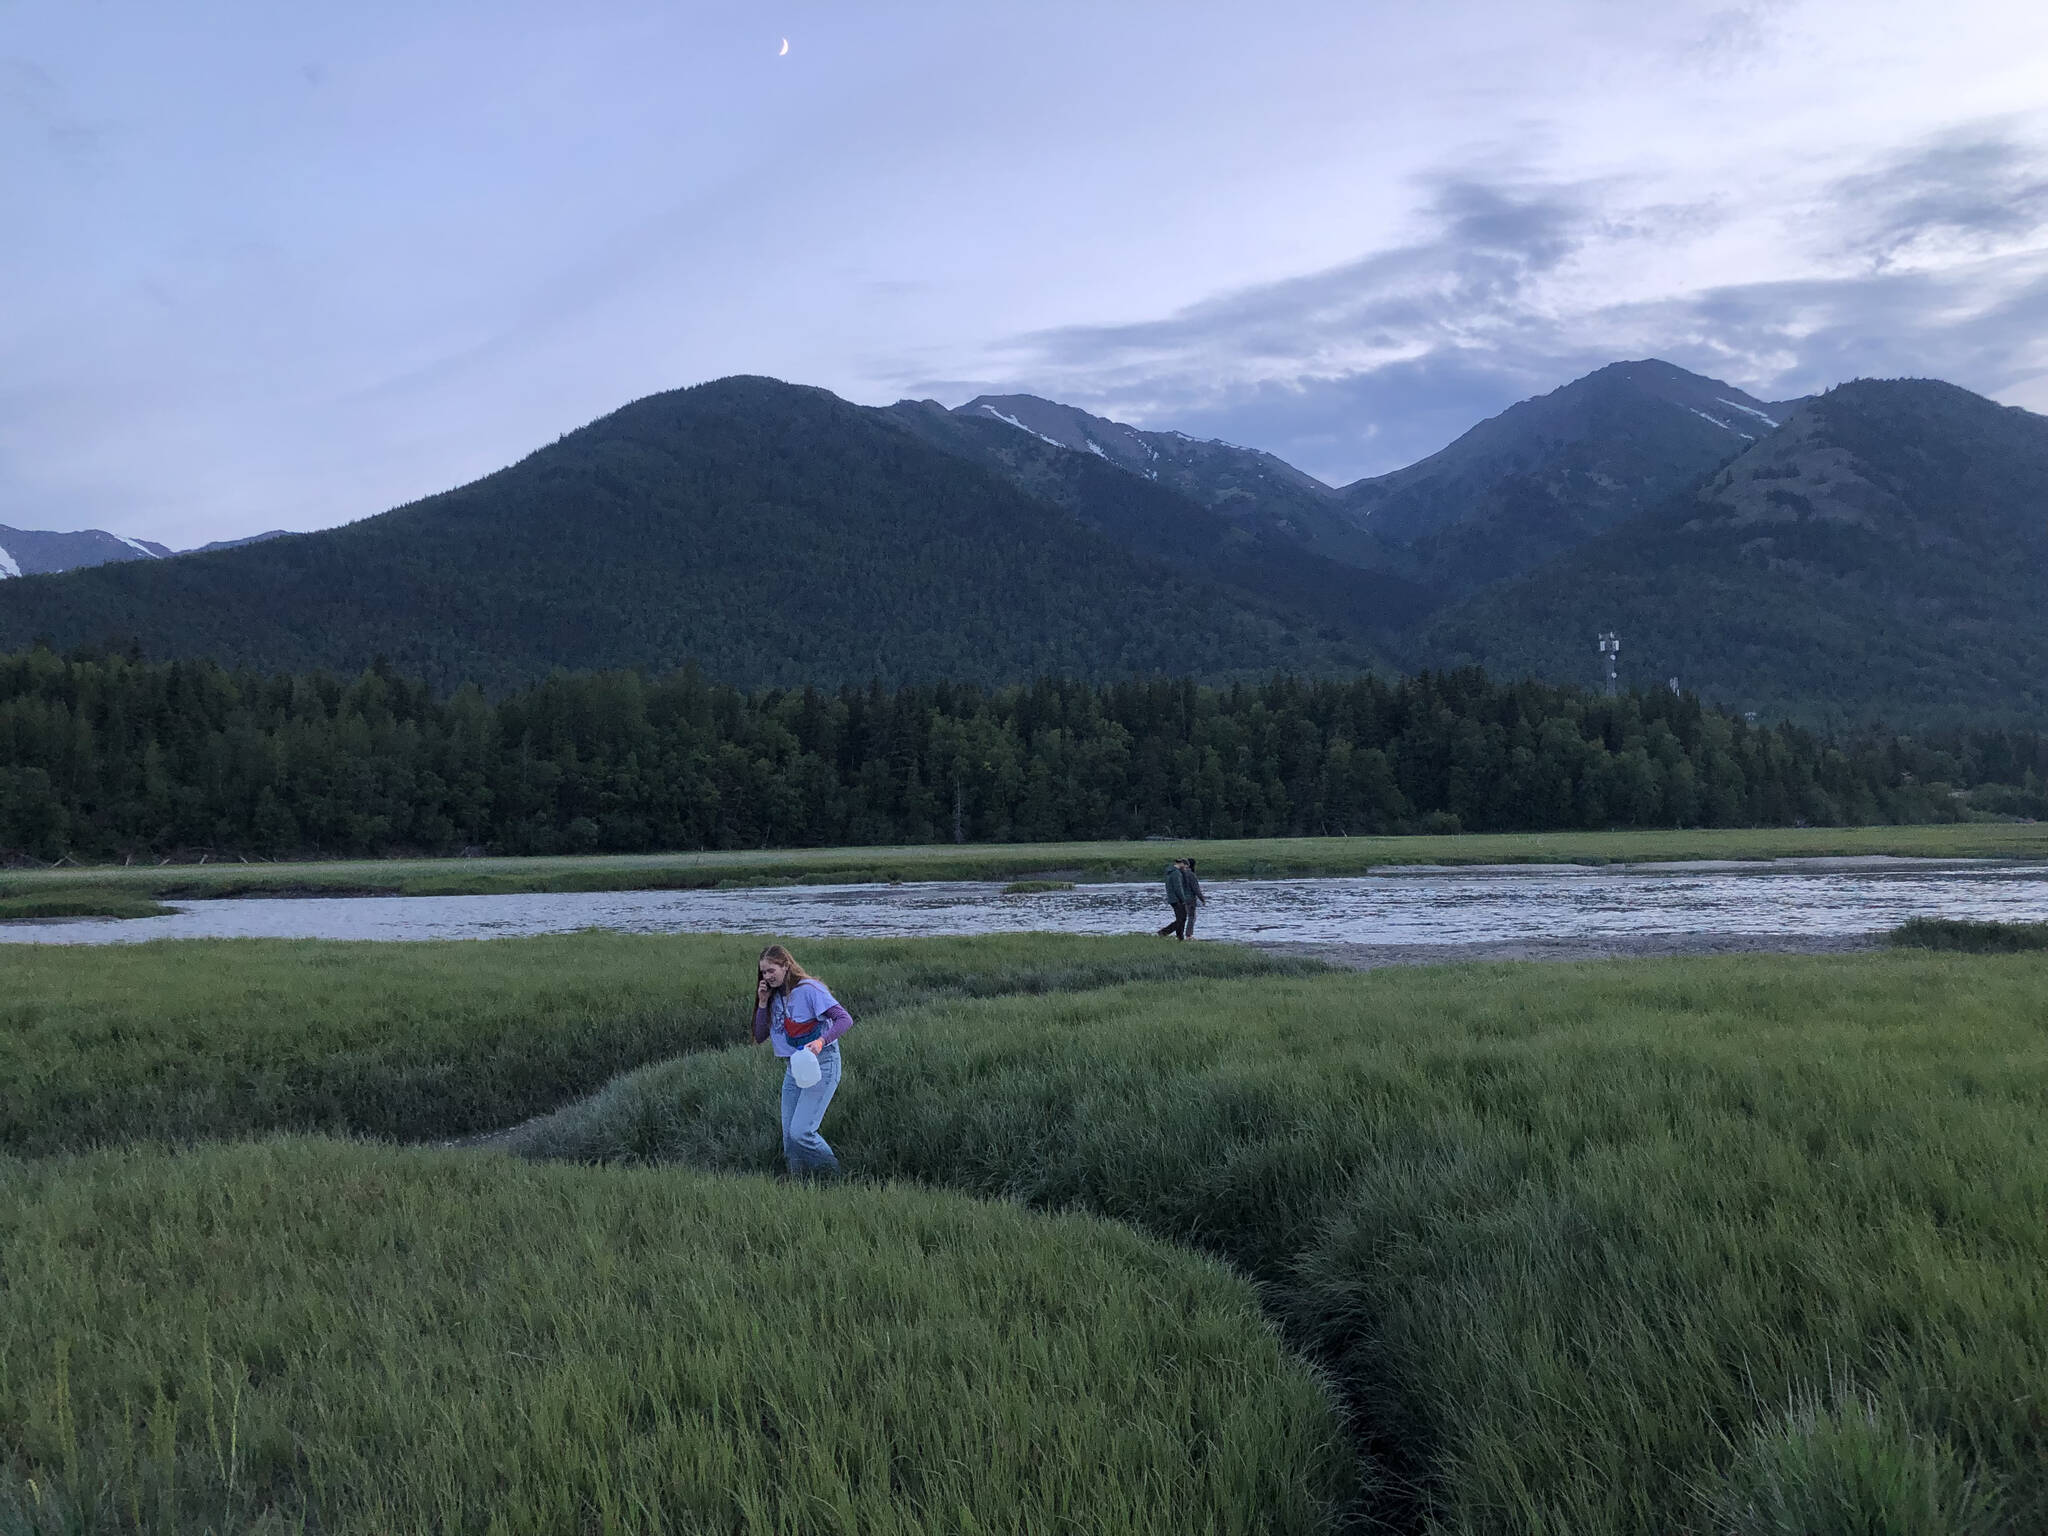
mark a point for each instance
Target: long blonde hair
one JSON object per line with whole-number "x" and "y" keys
{"x": 792, "y": 972}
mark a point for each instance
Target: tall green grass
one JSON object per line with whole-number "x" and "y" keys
{"x": 1571, "y": 1237}
{"x": 1968, "y": 937}
{"x": 79, "y": 901}
{"x": 1840, "y": 1461}
{"x": 345, "y": 1339}
{"x": 185, "y": 1041}
{"x": 1227, "y": 859}
{"x": 1683, "y": 1246}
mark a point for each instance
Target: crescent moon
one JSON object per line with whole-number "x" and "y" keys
{"x": 785, "y": 47}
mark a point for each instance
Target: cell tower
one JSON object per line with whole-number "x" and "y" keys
{"x": 1610, "y": 651}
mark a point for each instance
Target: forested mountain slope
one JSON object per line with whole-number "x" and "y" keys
{"x": 1254, "y": 490}
{"x": 1151, "y": 518}
{"x": 1516, "y": 490}
{"x": 1883, "y": 555}
{"x": 1551, "y": 472}
{"x": 771, "y": 533}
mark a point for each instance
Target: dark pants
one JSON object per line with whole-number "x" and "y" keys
{"x": 1183, "y": 918}
{"x": 1187, "y": 923}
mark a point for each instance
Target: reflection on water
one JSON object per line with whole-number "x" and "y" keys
{"x": 1434, "y": 908}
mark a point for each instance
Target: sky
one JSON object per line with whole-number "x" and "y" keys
{"x": 271, "y": 266}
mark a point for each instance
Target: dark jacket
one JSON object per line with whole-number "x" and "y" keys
{"x": 1176, "y": 885}
{"x": 1192, "y": 887}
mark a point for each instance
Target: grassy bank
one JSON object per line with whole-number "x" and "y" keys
{"x": 1968, "y": 937}
{"x": 79, "y": 901}
{"x": 182, "y": 1041}
{"x": 325, "y": 1336}
{"x": 1593, "y": 1249}
{"x": 1250, "y": 858}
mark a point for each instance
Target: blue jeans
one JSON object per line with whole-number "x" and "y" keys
{"x": 803, "y": 1109}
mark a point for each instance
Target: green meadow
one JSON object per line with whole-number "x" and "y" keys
{"x": 204, "y": 1039}
{"x": 1142, "y": 1237}
{"x": 303, "y": 1335}
{"x": 1226, "y": 859}
{"x": 1598, "y": 1248}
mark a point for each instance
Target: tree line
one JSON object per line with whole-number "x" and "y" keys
{"x": 105, "y": 755}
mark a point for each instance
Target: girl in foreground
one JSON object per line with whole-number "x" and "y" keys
{"x": 795, "y": 1012}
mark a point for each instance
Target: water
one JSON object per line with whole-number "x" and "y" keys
{"x": 1433, "y": 907}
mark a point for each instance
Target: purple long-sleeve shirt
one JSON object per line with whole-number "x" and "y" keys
{"x": 807, "y": 1002}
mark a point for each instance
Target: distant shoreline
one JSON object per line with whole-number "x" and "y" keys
{"x": 1793, "y": 864}
{"x": 1646, "y": 946}
{"x": 1719, "y": 850}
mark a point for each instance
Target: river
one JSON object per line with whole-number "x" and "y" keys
{"x": 1415, "y": 907}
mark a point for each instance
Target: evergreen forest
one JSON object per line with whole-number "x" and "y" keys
{"x": 105, "y": 755}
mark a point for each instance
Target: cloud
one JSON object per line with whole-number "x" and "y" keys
{"x": 1490, "y": 246}
{"x": 1973, "y": 193}
{"x": 1984, "y": 326}
{"x": 1370, "y": 364}
{"x": 1516, "y": 286}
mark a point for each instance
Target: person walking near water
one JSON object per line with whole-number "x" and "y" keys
{"x": 1192, "y": 889}
{"x": 1177, "y": 893}
{"x": 796, "y": 1014}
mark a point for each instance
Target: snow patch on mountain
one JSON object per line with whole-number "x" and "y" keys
{"x": 1749, "y": 410}
{"x": 7, "y": 566}
{"x": 140, "y": 549}
{"x": 1013, "y": 421}
{"x": 1724, "y": 426}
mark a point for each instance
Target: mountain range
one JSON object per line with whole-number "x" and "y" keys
{"x": 1873, "y": 552}
{"x": 1553, "y": 472}
{"x": 39, "y": 552}
{"x": 31, "y": 552}
{"x": 771, "y": 533}
{"x": 1883, "y": 552}
{"x": 1249, "y": 488}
